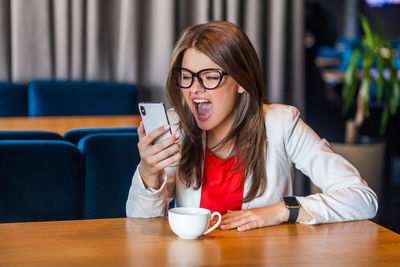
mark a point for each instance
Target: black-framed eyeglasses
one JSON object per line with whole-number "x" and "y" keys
{"x": 208, "y": 78}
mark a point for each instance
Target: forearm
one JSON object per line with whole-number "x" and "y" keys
{"x": 274, "y": 214}
{"x": 345, "y": 204}
{"x": 150, "y": 180}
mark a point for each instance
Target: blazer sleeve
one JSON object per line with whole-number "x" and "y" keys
{"x": 346, "y": 196}
{"x": 145, "y": 202}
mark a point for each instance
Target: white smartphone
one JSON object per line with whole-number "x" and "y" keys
{"x": 154, "y": 115}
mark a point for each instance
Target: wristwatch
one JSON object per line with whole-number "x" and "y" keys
{"x": 293, "y": 205}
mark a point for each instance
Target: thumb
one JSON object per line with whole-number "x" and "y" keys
{"x": 141, "y": 131}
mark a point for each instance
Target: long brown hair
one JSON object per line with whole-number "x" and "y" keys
{"x": 229, "y": 47}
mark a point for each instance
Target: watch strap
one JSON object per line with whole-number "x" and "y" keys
{"x": 293, "y": 214}
{"x": 293, "y": 208}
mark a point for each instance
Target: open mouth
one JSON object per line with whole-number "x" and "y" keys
{"x": 203, "y": 107}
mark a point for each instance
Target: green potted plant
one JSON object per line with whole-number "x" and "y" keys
{"x": 377, "y": 60}
{"x": 376, "y": 57}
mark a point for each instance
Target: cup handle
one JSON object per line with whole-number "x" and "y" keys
{"x": 216, "y": 224}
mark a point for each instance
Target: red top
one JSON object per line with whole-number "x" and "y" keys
{"x": 220, "y": 186}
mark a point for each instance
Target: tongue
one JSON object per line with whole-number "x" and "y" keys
{"x": 204, "y": 109}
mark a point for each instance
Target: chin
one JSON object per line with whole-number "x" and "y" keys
{"x": 205, "y": 125}
{"x": 201, "y": 124}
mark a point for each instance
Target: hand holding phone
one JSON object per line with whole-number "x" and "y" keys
{"x": 154, "y": 157}
{"x": 154, "y": 116}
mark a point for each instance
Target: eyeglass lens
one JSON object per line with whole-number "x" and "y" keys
{"x": 208, "y": 78}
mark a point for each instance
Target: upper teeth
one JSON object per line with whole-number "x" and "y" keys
{"x": 200, "y": 100}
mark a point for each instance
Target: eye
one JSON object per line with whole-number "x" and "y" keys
{"x": 212, "y": 77}
{"x": 185, "y": 74}
{"x": 186, "y": 77}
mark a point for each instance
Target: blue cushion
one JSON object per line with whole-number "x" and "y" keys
{"x": 329, "y": 52}
{"x": 13, "y": 99}
{"x": 40, "y": 180}
{"x": 343, "y": 43}
{"x": 30, "y": 135}
{"x": 110, "y": 161}
{"x": 76, "y": 135}
{"x": 58, "y": 98}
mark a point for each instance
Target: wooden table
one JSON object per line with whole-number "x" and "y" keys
{"x": 150, "y": 242}
{"x": 62, "y": 124}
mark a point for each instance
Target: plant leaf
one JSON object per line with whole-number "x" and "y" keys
{"x": 384, "y": 118}
{"x": 375, "y": 49}
{"x": 395, "y": 92}
{"x": 367, "y": 30}
{"x": 366, "y": 86}
{"x": 350, "y": 80}
{"x": 381, "y": 79}
{"x": 367, "y": 79}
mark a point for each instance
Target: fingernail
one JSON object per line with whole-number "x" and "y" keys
{"x": 177, "y": 135}
{"x": 166, "y": 127}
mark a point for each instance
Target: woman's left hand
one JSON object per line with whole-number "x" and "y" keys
{"x": 244, "y": 220}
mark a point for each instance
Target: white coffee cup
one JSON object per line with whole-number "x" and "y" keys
{"x": 190, "y": 223}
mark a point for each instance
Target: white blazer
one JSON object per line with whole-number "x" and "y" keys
{"x": 346, "y": 196}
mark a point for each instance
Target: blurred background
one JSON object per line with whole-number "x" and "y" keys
{"x": 304, "y": 48}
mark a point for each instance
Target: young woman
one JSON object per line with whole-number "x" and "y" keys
{"x": 231, "y": 152}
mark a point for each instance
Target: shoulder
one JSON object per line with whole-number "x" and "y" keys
{"x": 280, "y": 119}
{"x": 278, "y": 113}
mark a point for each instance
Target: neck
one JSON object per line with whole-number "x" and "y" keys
{"x": 217, "y": 134}
{"x": 212, "y": 140}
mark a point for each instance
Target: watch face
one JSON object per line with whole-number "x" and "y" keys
{"x": 291, "y": 202}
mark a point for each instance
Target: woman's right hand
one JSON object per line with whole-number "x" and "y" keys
{"x": 155, "y": 157}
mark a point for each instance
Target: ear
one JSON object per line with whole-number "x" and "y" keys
{"x": 240, "y": 90}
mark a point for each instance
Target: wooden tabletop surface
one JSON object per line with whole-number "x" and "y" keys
{"x": 62, "y": 124}
{"x": 150, "y": 242}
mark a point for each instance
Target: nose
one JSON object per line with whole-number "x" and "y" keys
{"x": 196, "y": 87}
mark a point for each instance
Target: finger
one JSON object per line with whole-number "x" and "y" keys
{"x": 234, "y": 222}
{"x": 169, "y": 161}
{"x": 247, "y": 226}
{"x": 162, "y": 149}
{"x": 149, "y": 138}
{"x": 153, "y": 154}
{"x": 167, "y": 152}
{"x": 230, "y": 215}
{"x": 166, "y": 143}
{"x": 141, "y": 131}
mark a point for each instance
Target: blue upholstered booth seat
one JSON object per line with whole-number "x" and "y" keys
{"x": 110, "y": 161}
{"x": 29, "y": 135}
{"x": 13, "y": 99}
{"x": 76, "y": 135}
{"x": 57, "y": 98}
{"x": 40, "y": 180}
